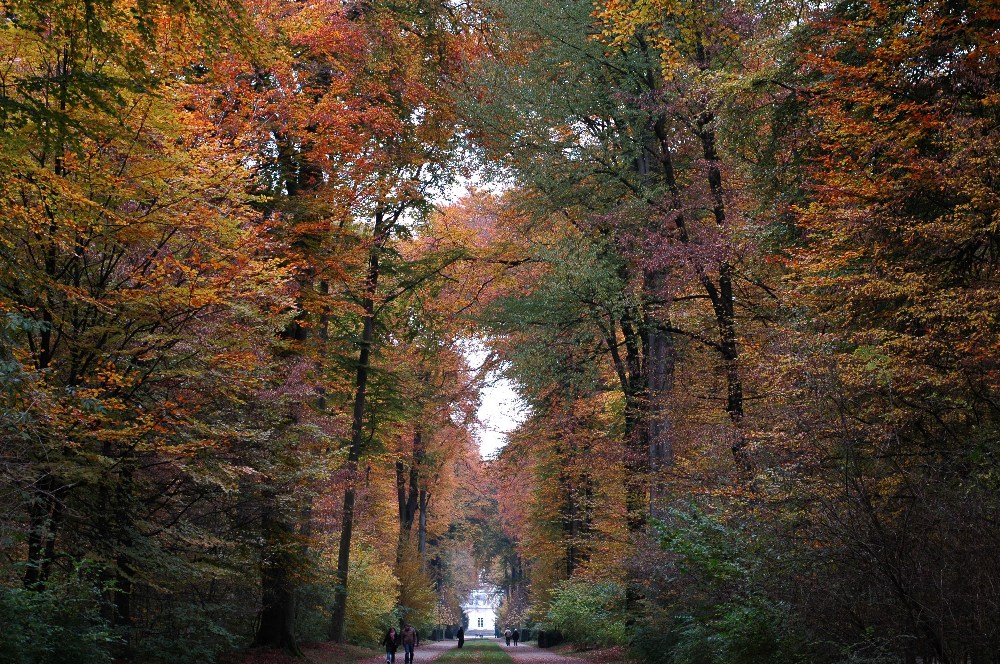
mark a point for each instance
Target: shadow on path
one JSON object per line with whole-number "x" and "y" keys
{"x": 427, "y": 651}
{"x": 525, "y": 654}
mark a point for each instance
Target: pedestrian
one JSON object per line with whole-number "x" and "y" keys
{"x": 461, "y": 636}
{"x": 507, "y": 635}
{"x": 410, "y": 640}
{"x": 516, "y": 635}
{"x": 391, "y": 643}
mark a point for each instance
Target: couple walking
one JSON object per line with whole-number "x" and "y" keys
{"x": 408, "y": 638}
{"x": 508, "y": 635}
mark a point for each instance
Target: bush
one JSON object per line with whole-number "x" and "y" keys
{"x": 371, "y": 602}
{"x": 418, "y": 602}
{"x": 589, "y": 613}
{"x": 716, "y": 608}
{"x": 371, "y": 599}
{"x": 654, "y": 640}
{"x": 185, "y": 633}
{"x": 60, "y": 624}
{"x": 739, "y": 634}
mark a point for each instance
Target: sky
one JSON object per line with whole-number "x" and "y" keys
{"x": 501, "y": 410}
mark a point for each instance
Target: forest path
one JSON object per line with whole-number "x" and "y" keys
{"x": 525, "y": 654}
{"x": 480, "y": 651}
{"x": 424, "y": 653}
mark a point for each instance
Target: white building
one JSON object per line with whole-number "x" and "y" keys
{"x": 481, "y": 608}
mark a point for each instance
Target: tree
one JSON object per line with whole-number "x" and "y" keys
{"x": 894, "y": 251}
{"x": 135, "y": 291}
{"x": 410, "y": 150}
{"x": 622, "y": 155}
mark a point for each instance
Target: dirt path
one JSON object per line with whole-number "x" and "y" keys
{"x": 426, "y": 652}
{"x": 524, "y": 654}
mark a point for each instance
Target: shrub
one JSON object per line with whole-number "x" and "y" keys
{"x": 739, "y": 634}
{"x": 655, "y": 639}
{"x": 371, "y": 605}
{"x": 371, "y": 599}
{"x": 186, "y": 632}
{"x": 716, "y": 608}
{"x": 417, "y": 599}
{"x": 589, "y": 613}
{"x": 60, "y": 624}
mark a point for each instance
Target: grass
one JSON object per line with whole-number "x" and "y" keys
{"x": 475, "y": 652}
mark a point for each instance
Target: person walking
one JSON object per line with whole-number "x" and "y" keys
{"x": 391, "y": 643}
{"x": 410, "y": 639}
{"x": 515, "y": 635}
{"x": 461, "y": 636}
{"x": 506, "y": 635}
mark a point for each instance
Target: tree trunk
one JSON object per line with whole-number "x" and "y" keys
{"x": 276, "y": 626}
{"x": 122, "y": 537}
{"x": 275, "y": 629}
{"x": 408, "y": 496}
{"x": 660, "y": 376}
{"x": 636, "y": 431}
{"x": 44, "y": 518}
{"x": 724, "y": 301}
{"x": 45, "y": 511}
{"x": 425, "y": 499}
{"x": 721, "y": 295}
{"x": 338, "y": 619}
{"x": 658, "y": 343}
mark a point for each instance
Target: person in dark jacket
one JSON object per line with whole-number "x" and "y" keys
{"x": 515, "y": 635}
{"x": 461, "y": 637}
{"x": 391, "y": 643}
{"x": 410, "y": 640}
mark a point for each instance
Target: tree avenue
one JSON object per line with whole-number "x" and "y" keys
{"x": 739, "y": 260}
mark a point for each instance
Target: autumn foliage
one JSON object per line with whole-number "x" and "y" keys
{"x": 740, "y": 260}
{"x": 755, "y": 303}
{"x": 188, "y": 195}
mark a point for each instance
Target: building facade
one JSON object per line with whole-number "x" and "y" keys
{"x": 481, "y": 609}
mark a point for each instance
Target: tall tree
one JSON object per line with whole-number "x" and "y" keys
{"x": 124, "y": 236}
{"x": 896, "y": 259}
{"x": 415, "y": 50}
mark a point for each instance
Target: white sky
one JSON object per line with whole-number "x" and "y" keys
{"x": 501, "y": 410}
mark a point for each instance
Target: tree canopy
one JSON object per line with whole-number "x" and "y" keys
{"x": 739, "y": 260}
